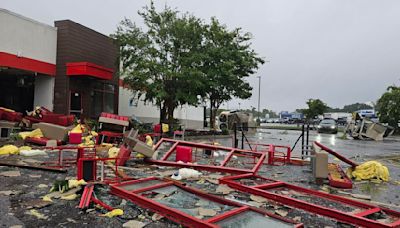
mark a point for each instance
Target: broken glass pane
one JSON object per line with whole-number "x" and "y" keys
{"x": 251, "y": 219}
{"x": 189, "y": 203}
{"x": 163, "y": 149}
{"x": 138, "y": 185}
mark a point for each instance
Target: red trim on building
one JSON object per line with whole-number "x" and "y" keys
{"x": 23, "y": 63}
{"x": 89, "y": 69}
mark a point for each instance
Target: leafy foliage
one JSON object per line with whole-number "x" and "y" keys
{"x": 229, "y": 60}
{"x": 388, "y": 107}
{"x": 179, "y": 59}
{"x": 160, "y": 64}
{"x": 351, "y": 108}
{"x": 315, "y": 107}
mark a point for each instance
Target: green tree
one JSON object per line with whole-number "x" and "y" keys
{"x": 388, "y": 107}
{"x": 161, "y": 63}
{"x": 229, "y": 60}
{"x": 315, "y": 107}
{"x": 351, "y": 108}
{"x": 179, "y": 59}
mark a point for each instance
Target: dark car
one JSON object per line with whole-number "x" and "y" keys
{"x": 327, "y": 126}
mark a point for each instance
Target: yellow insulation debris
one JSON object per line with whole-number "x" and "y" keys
{"x": 371, "y": 170}
{"x": 8, "y": 149}
{"x": 37, "y": 133}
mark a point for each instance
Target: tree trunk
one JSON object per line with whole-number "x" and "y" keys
{"x": 212, "y": 118}
{"x": 162, "y": 113}
{"x": 169, "y": 109}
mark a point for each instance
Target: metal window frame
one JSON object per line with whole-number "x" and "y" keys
{"x": 220, "y": 168}
{"x": 356, "y": 219}
{"x": 179, "y": 216}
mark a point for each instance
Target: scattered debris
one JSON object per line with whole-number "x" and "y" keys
{"x": 71, "y": 220}
{"x": 113, "y": 213}
{"x": 258, "y": 199}
{"x": 359, "y": 196}
{"x": 10, "y": 174}
{"x": 371, "y": 170}
{"x": 9, "y": 192}
{"x": 47, "y": 198}
{"x": 281, "y": 213}
{"x": 30, "y": 153}
{"x": 133, "y": 224}
{"x": 42, "y": 186}
{"x": 186, "y": 173}
{"x": 35, "y": 203}
{"x": 224, "y": 189}
{"x": 212, "y": 181}
{"x": 255, "y": 204}
{"x": 38, "y": 167}
{"x": 37, "y": 214}
{"x": 297, "y": 219}
{"x": 156, "y": 217}
{"x": 206, "y": 212}
{"x": 69, "y": 197}
{"x": 8, "y": 149}
{"x": 364, "y": 128}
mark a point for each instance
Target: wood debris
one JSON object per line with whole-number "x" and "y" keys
{"x": 282, "y": 213}
{"x": 255, "y": 204}
{"x": 258, "y": 199}
{"x": 156, "y": 217}
{"x": 224, "y": 189}
{"x": 359, "y": 196}
{"x": 9, "y": 192}
{"x": 133, "y": 224}
{"x": 212, "y": 181}
{"x": 207, "y": 212}
{"x": 10, "y": 174}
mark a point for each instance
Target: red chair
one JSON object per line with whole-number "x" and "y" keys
{"x": 109, "y": 136}
{"x": 279, "y": 153}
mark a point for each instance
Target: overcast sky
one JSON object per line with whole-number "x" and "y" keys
{"x": 340, "y": 51}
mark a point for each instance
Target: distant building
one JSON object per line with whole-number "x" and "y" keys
{"x": 336, "y": 115}
{"x": 369, "y": 113}
{"x": 291, "y": 116}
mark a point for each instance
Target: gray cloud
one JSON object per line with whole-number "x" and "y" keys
{"x": 339, "y": 51}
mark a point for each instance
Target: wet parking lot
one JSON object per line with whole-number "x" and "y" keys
{"x": 387, "y": 152}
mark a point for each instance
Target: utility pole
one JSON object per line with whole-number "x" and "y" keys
{"x": 259, "y": 93}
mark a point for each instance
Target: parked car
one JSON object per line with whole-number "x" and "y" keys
{"x": 327, "y": 126}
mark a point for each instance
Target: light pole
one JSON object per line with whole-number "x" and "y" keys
{"x": 259, "y": 93}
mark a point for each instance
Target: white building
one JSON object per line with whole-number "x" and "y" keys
{"x": 27, "y": 62}
{"x": 189, "y": 116}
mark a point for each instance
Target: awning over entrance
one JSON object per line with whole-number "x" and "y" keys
{"x": 89, "y": 69}
{"x": 22, "y": 63}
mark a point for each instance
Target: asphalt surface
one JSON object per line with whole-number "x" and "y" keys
{"x": 387, "y": 152}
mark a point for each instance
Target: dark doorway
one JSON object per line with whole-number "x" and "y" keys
{"x": 75, "y": 104}
{"x": 17, "y": 91}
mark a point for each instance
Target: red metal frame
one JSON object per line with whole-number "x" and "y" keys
{"x": 356, "y": 219}
{"x": 273, "y": 154}
{"x": 103, "y": 178}
{"x": 221, "y": 168}
{"x": 344, "y": 182}
{"x": 336, "y": 154}
{"x": 179, "y": 216}
{"x": 87, "y": 197}
{"x": 84, "y": 151}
